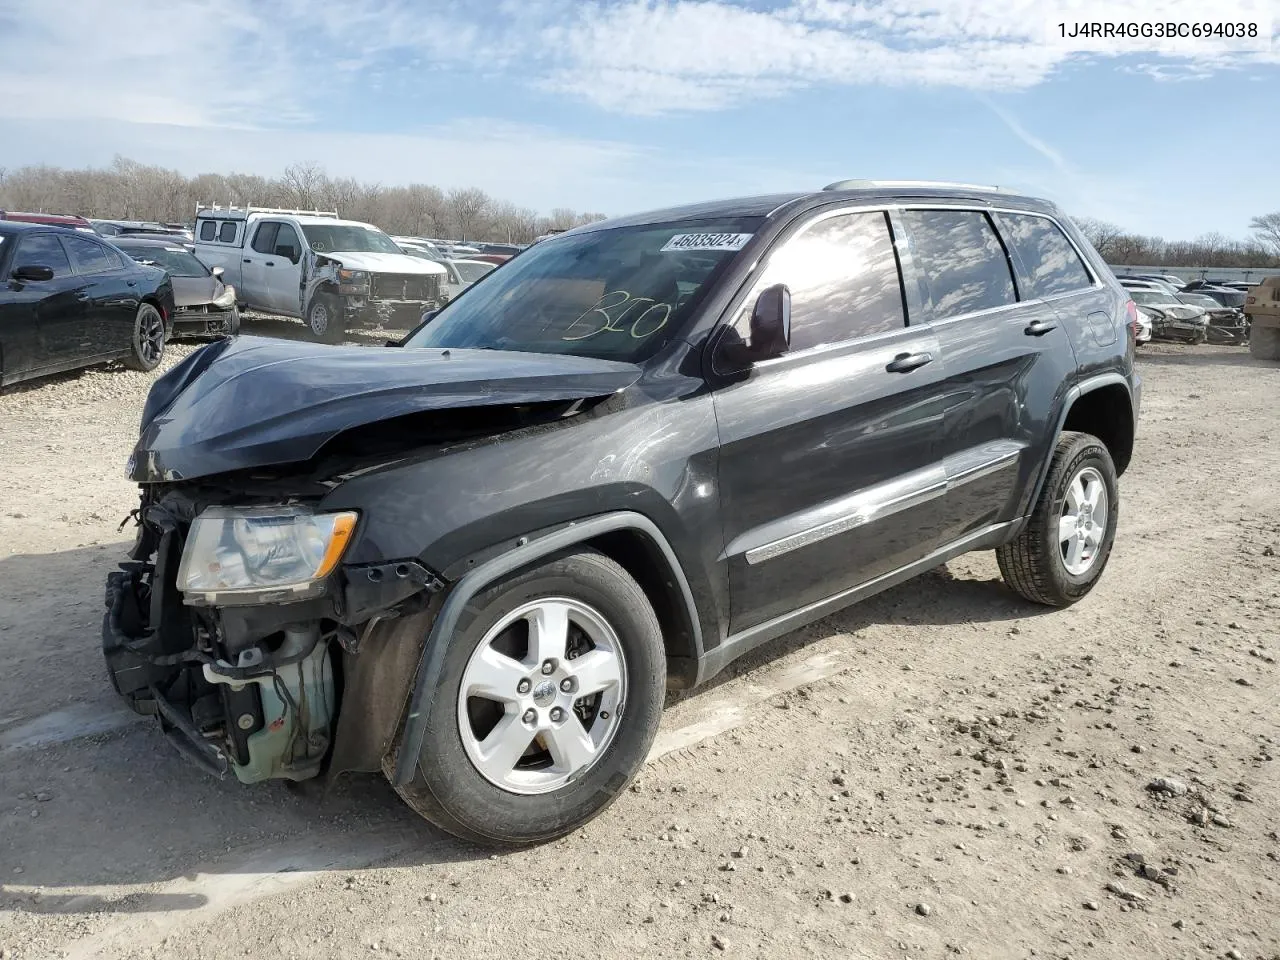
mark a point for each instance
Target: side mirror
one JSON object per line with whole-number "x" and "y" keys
{"x": 217, "y": 272}
{"x": 771, "y": 323}
{"x": 33, "y": 274}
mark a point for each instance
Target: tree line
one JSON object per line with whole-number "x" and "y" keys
{"x": 1117, "y": 245}
{"x": 129, "y": 190}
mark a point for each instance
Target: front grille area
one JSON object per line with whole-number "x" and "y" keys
{"x": 405, "y": 286}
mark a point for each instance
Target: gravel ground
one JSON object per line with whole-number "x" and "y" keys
{"x": 940, "y": 771}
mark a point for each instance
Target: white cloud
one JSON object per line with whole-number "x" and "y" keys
{"x": 214, "y": 62}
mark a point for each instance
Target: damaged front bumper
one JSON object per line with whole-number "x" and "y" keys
{"x": 255, "y": 689}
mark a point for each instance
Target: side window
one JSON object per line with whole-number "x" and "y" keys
{"x": 43, "y": 250}
{"x": 207, "y": 230}
{"x": 1050, "y": 265}
{"x": 227, "y": 232}
{"x": 264, "y": 241}
{"x": 961, "y": 258}
{"x": 287, "y": 244}
{"x": 843, "y": 278}
{"x": 89, "y": 257}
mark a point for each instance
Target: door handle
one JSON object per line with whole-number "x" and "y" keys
{"x": 269, "y": 263}
{"x": 247, "y": 260}
{"x": 906, "y": 362}
{"x": 132, "y": 283}
{"x": 1038, "y": 328}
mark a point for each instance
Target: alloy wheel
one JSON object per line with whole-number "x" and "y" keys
{"x": 541, "y": 696}
{"x": 319, "y": 318}
{"x": 1083, "y": 523}
{"x": 151, "y": 337}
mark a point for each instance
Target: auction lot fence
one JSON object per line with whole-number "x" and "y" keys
{"x": 1252, "y": 274}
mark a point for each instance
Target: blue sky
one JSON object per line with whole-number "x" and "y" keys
{"x": 623, "y": 105}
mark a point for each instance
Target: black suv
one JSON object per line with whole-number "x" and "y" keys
{"x": 636, "y": 452}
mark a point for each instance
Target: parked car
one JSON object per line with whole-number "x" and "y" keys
{"x": 170, "y": 238}
{"x": 1134, "y": 283}
{"x": 1263, "y": 317}
{"x": 506, "y": 249}
{"x": 1226, "y": 296}
{"x": 463, "y": 273}
{"x": 1170, "y": 319}
{"x": 415, "y": 246}
{"x": 203, "y": 303}
{"x": 48, "y": 219}
{"x": 331, "y": 273}
{"x": 69, "y": 301}
{"x": 620, "y": 462}
{"x": 1143, "y": 335}
{"x": 117, "y": 228}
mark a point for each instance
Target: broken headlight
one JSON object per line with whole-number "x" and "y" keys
{"x": 261, "y": 554}
{"x": 353, "y": 281}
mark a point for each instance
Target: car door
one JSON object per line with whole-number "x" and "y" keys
{"x": 39, "y": 319}
{"x": 110, "y": 288}
{"x": 1006, "y": 356}
{"x": 284, "y": 276}
{"x": 258, "y": 260}
{"x": 829, "y": 474}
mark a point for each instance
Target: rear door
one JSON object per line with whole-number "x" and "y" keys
{"x": 1008, "y": 360}
{"x": 258, "y": 261}
{"x": 828, "y": 463}
{"x": 110, "y": 285}
{"x": 39, "y": 320}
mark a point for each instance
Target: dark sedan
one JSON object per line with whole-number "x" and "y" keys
{"x": 70, "y": 300}
{"x": 203, "y": 303}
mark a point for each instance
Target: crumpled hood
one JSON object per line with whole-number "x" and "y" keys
{"x": 385, "y": 262}
{"x": 254, "y": 402}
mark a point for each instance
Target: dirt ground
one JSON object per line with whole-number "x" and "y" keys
{"x": 941, "y": 771}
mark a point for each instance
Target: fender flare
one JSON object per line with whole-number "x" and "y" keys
{"x": 526, "y": 551}
{"x": 1077, "y": 391}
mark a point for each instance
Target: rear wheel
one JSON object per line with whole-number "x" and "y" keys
{"x": 324, "y": 318}
{"x": 146, "y": 348}
{"x": 1066, "y": 543}
{"x": 549, "y": 700}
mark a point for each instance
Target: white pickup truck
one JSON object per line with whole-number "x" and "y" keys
{"x": 332, "y": 273}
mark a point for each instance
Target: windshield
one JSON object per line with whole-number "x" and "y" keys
{"x": 471, "y": 271}
{"x": 615, "y": 294}
{"x": 177, "y": 261}
{"x": 347, "y": 238}
{"x": 1149, "y": 296}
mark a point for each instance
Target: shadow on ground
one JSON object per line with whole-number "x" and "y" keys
{"x": 122, "y": 808}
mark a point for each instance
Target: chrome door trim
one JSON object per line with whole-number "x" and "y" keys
{"x": 873, "y": 503}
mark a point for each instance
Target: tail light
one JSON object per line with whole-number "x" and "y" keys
{"x": 1131, "y": 311}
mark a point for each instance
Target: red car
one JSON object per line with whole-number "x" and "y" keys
{"x": 50, "y": 220}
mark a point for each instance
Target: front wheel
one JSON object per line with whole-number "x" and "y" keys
{"x": 324, "y": 318}
{"x": 146, "y": 348}
{"x": 550, "y": 697}
{"x": 1067, "y": 541}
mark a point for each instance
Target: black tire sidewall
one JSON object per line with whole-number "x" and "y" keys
{"x": 136, "y": 360}
{"x": 1088, "y": 452}
{"x": 496, "y": 814}
{"x": 334, "y": 331}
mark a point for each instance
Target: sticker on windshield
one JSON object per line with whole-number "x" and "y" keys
{"x": 706, "y": 241}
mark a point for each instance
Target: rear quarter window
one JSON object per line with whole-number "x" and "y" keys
{"x": 1048, "y": 264}
{"x": 208, "y": 230}
{"x": 227, "y": 232}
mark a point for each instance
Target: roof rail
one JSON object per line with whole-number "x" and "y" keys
{"x": 246, "y": 210}
{"x": 867, "y": 184}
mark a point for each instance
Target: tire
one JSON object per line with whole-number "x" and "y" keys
{"x": 449, "y": 787}
{"x": 1264, "y": 343}
{"x": 146, "y": 346}
{"x": 324, "y": 318}
{"x": 232, "y": 328}
{"x": 1037, "y": 563}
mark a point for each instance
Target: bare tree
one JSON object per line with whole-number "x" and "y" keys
{"x": 1099, "y": 233}
{"x": 304, "y": 184}
{"x": 1267, "y": 230}
{"x": 468, "y": 208}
